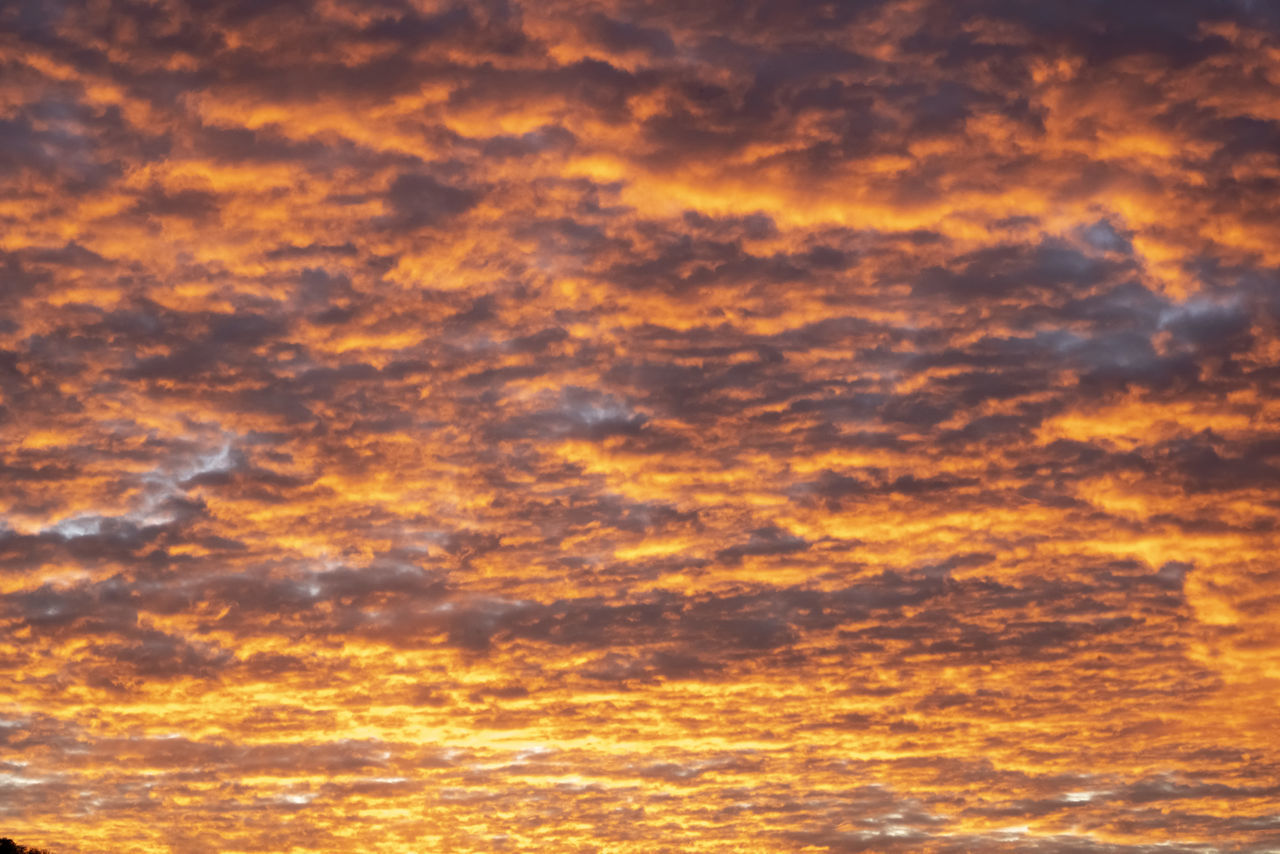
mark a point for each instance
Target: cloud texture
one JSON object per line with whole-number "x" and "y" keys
{"x": 640, "y": 426}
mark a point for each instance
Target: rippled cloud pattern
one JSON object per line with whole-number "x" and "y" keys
{"x": 640, "y": 426}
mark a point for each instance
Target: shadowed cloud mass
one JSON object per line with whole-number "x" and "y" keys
{"x": 640, "y": 426}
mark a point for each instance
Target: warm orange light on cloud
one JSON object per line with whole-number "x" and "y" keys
{"x": 625, "y": 427}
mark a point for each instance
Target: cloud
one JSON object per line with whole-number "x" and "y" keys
{"x": 493, "y": 425}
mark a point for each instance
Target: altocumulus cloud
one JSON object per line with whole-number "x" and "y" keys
{"x": 639, "y": 426}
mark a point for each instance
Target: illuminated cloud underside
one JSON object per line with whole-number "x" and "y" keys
{"x": 714, "y": 426}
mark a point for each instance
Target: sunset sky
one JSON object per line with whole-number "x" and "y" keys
{"x": 640, "y": 426}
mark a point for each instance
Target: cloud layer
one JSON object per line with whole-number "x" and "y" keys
{"x": 640, "y": 426}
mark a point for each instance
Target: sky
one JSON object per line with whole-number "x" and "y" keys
{"x": 640, "y": 426}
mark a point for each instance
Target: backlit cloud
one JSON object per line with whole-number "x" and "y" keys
{"x": 640, "y": 426}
